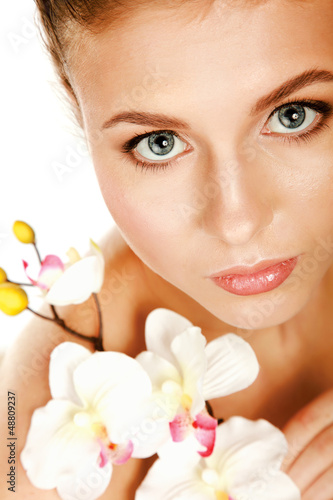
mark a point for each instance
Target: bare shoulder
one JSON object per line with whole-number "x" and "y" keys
{"x": 25, "y": 367}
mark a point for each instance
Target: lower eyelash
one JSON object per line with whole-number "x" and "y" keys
{"x": 152, "y": 166}
{"x": 307, "y": 136}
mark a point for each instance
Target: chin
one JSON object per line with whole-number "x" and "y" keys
{"x": 262, "y": 310}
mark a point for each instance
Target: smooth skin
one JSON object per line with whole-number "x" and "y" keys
{"x": 237, "y": 193}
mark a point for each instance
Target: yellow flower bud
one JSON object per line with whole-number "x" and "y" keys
{"x": 23, "y": 232}
{"x": 3, "y": 276}
{"x": 13, "y": 299}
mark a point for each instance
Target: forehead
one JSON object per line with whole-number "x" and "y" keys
{"x": 180, "y": 55}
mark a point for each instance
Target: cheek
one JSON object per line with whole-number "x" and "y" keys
{"x": 316, "y": 195}
{"x": 303, "y": 177}
{"x": 147, "y": 218}
{"x": 309, "y": 211}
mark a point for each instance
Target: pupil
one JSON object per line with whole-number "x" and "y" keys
{"x": 292, "y": 116}
{"x": 161, "y": 144}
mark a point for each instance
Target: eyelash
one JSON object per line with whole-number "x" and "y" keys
{"x": 128, "y": 147}
{"x": 321, "y": 107}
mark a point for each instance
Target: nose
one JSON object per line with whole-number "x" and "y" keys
{"x": 241, "y": 206}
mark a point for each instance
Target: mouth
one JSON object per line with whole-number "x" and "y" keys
{"x": 263, "y": 277}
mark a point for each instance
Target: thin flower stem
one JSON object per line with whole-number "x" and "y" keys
{"x": 55, "y": 314}
{"x": 37, "y": 252}
{"x": 40, "y": 315}
{"x": 63, "y": 325}
{"x": 20, "y": 284}
{"x": 99, "y": 342}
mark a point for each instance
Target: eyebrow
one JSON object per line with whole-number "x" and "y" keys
{"x": 161, "y": 120}
{"x": 290, "y": 86}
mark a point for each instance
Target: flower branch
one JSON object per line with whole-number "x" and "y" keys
{"x": 59, "y": 283}
{"x": 95, "y": 340}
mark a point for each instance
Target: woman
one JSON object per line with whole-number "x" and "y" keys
{"x": 210, "y": 128}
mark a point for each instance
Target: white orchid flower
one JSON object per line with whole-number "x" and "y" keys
{"x": 185, "y": 372}
{"x": 74, "y": 440}
{"x": 245, "y": 465}
{"x": 70, "y": 283}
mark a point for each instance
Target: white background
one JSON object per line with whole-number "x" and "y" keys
{"x": 38, "y": 138}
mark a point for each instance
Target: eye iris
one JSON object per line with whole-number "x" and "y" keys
{"x": 292, "y": 116}
{"x": 161, "y": 144}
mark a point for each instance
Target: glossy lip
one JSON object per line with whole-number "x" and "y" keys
{"x": 242, "y": 270}
{"x": 262, "y": 277}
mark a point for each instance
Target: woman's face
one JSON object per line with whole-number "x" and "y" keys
{"x": 247, "y": 179}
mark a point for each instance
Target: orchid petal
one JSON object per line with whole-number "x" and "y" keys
{"x": 162, "y": 326}
{"x": 165, "y": 381}
{"x": 148, "y": 435}
{"x": 250, "y": 454}
{"x": 279, "y": 486}
{"x": 25, "y": 266}
{"x": 64, "y": 359}
{"x": 77, "y": 283}
{"x": 274, "y": 485}
{"x": 239, "y": 436}
{"x": 51, "y": 270}
{"x": 205, "y": 432}
{"x": 166, "y": 480}
{"x": 55, "y": 445}
{"x": 89, "y": 484}
{"x": 114, "y": 385}
{"x": 189, "y": 351}
{"x": 232, "y": 366}
{"x": 185, "y": 452}
{"x": 158, "y": 369}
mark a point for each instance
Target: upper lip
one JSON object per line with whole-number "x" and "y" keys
{"x": 260, "y": 266}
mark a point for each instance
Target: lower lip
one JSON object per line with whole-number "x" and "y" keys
{"x": 260, "y": 282}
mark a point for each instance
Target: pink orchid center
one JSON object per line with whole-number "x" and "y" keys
{"x": 109, "y": 452}
{"x": 212, "y": 478}
{"x": 181, "y": 424}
